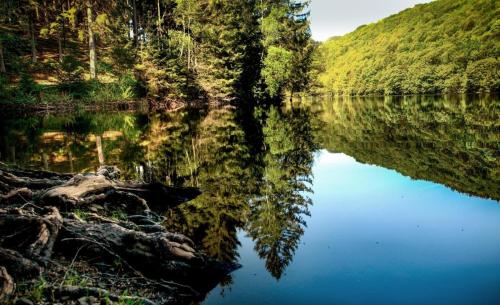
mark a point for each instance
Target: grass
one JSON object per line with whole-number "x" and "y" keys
{"x": 119, "y": 215}
{"x": 33, "y": 291}
{"x": 83, "y": 215}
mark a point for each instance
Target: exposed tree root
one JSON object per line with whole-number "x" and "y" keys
{"x": 6, "y": 284}
{"x": 75, "y": 292}
{"x": 103, "y": 220}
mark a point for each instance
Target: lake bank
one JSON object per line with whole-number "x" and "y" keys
{"x": 54, "y": 225}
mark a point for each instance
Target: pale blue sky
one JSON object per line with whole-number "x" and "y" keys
{"x": 338, "y": 17}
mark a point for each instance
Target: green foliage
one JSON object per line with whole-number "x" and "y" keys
{"x": 69, "y": 70}
{"x": 4, "y": 88}
{"x": 119, "y": 215}
{"x": 442, "y": 46}
{"x": 182, "y": 49}
{"x": 27, "y": 85}
{"x": 277, "y": 69}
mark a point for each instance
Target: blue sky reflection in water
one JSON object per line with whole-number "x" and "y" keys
{"x": 378, "y": 237}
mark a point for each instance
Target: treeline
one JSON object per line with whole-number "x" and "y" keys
{"x": 440, "y": 47}
{"x": 447, "y": 140}
{"x": 178, "y": 49}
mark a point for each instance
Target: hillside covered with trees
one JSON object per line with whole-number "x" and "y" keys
{"x": 66, "y": 50}
{"x": 440, "y": 47}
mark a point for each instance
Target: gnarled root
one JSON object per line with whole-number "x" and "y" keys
{"x": 31, "y": 234}
{"x": 6, "y": 284}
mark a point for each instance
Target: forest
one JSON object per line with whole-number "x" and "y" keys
{"x": 445, "y": 46}
{"x": 93, "y": 51}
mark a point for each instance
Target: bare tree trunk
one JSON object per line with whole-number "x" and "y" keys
{"x": 33, "y": 40}
{"x": 159, "y": 29}
{"x": 2, "y": 61}
{"x": 134, "y": 21}
{"x": 62, "y": 34}
{"x": 59, "y": 46}
{"x": 100, "y": 154}
{"x": 92, "y": 54}
{"x": 71, "y": 166}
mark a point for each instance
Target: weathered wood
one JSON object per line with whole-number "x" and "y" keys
{"x": 6, "y": 284}
{"x": 31, "y": 234}
{"x": 75, "y": 292}
{"x": 158, "y": 254}
{"x": 18, "y": 265}
{"x": 31, "y": 183}
{"x": 34, "y": 235}
{"x": 16, "y": 196}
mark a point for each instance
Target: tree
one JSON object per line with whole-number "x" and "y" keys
{"x": 2, "y": 60}
{"x": 91, "y": 39}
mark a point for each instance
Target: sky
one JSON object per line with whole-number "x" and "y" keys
{"x": 338, "y": 17}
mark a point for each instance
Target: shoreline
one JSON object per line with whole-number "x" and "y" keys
{"x": 94, "y": 237}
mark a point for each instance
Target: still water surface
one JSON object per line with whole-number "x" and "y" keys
{"x": 345, "y": 201}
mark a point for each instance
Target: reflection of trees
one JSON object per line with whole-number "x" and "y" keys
{"x": 206, "y": 149}
{"x": 222, "y": 171}
{"x": 452, "y": 141}
{"x": 72, "y": 143}
{"x": 277, "y": 214}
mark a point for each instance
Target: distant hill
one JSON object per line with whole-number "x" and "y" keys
{"x": 442, "y": 46}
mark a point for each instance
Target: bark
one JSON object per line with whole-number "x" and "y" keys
{"x": 92, "y": 51}
{"x": 19, "y": 266}
{"x": 6, "y": 284}
{"x": 32, "y": 30}
{"x": 2, "y": 60}
{"x": 14, "y": 181}
{"x": 33, "y": 235}
{"x": 75, "y": 292}
{"x": 17, "y": 196}
{"x": 159, "y": 254}
{"x": 30, "y": 234}
{"x": 134, "y": 21}
{"x": 100, "y": 154}
{"x": 59, "y": 47}
{"x": 102, "y": 189}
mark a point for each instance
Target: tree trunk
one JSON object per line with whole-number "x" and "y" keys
{"x": 61, "y": 34}
{"x": 2, "y": 61}
{"x": 100, "y": 154}
{"x": 134, "y": 21}
{"x": 159, "y": 19}
{"x": 92, "y": 54}
{"x": 33, "y": 40}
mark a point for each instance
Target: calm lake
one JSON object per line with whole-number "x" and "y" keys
{"x": 332, "y": 201}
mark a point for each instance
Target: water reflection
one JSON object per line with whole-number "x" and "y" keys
{"x": 263, "y": 185}
{"x": 451, "y": 141}
{"x": 277, "y": 213}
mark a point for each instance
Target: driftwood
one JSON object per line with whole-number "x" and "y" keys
{"x": 44, "y": 216}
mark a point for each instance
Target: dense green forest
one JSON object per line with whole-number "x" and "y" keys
{"x": 440, "y": 47}
{"x": 65, "y": 50}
